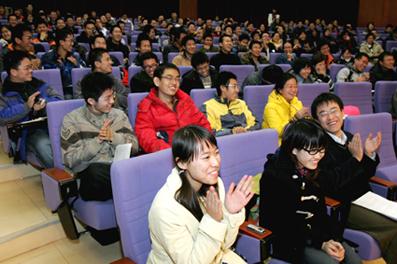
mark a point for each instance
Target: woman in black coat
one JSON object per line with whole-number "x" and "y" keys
{"x": 292, "y": 203}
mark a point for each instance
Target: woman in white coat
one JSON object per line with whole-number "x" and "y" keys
{"x": 192, "y": 219}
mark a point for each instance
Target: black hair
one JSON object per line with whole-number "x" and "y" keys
{"x": 186, "y": 39}
{"x": 271, "y": 74}
{"x": 254, "y": 42}
{"x": 369, "y": 35}
{"x": 317, "y": 58}
{"x": 384, "y": 54}
{"x": 18, "y": 31}
{"x": 282, "y": 80}
{"x": 223, "y": 79}
{"x": 147, "y": 56}
{"x": 93, "y": 38}
{"x": 187, "y": 144}
{"x": 208, "y": 35}
{"x": 199, "y": 58}
{"x": 243, "y": 36}
{"x": 164, "y": 66}
{"x": 224, "y": 36}
{"x": 142, "y": 37}
{"x": 88, "y": 22}
{"x": 94, "y": 84}
{"x": 95, "y": 55}
{"x": 359, "y": 55}
{"x": 115, "y": 26}
{"x": 303, "y": 134}
{"x": 324, "y": 98}
{"x": 299, "y": 64}
{"x": 13, "y": 59}
{"x": 62, "y": 34}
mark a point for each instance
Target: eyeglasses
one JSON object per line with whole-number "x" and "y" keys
{"x": 328, "y": 113}
{"x": 233, "y": 86}
{"x": 313, "y": 152}
{"x": 172, "y": 78}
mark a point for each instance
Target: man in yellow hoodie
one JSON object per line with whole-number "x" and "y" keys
{"x": 226, "y": 113}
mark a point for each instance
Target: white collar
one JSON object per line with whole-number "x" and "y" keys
{"x": 341, "y": 140}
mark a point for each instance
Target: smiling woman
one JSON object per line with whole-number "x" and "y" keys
{"x": 192, "y": 219}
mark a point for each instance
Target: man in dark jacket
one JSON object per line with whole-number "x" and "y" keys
{"x": 25, "y": 98}
{"x": 351, "y": 167}
{"x": 225, "y": 57}
{"x": 383, "y": 69}
{"x": 143, "y": 80}
{"x": 201, "y": 76}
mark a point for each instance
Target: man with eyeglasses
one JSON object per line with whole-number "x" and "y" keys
{"x": 164, "y": 110}
{"x": 227, "y": 113}
{"x": 143, "y": 80}
{"x": 90, "y": 135}
{"x": 100, "y": 61}
{"x": 201, "y": 76}
{"x": 25, "y": 98}
{"x": 350, "y": 166}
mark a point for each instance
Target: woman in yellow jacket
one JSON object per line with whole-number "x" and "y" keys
{"x": 283, "y": 105}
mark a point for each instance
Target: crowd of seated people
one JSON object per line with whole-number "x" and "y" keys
{"x": 91, "y": 133}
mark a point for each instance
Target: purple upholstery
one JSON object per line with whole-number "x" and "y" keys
{"x": 284, "y": 67}
{"x": 171, "y": 56}
{"x": 184, "y": 69}
{"x": 133, "y": 101}
{"x": 334, "y": 69}
{"x": 273, "y": 57}
{"x": 308, "y": 91}
{"x": 4, "y": 75}
{"x": 368, "y": 248}
{"x": 155, "y": 47}
{"x": 307, "y": 56}
{"x": 365, "y": 124}
{"x": 356, "y": 93}
{"x": 390, "y": 44}
{"x": 256, "y": 98}
{"x": 384, "y": 91}
{"x": 133, "y": 55}
{"x": 99, "y": 215}
{"x": 52, "y": 77}
{"x": 210, "y": 54}
{"x": 135, "y": 182}
{"x": 132, "y": 70}
{"x": 84, "y": 45}
{"x": 119, "y": 55}
{"x": 249, "y": 159}
{"x": 241, "y": 71}
{"x": 45, "y": 45}
{"x": 199, "y": 96}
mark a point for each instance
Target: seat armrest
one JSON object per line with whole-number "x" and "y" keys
{"x": 332, "y": 202}
{"x": 124, "y": 260}
{"x": 389, "y": 185}
{"x": 59, "y": 175}
{"x": 245, "y": 230}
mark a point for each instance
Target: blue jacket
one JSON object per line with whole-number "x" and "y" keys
{"x": 13, "y": 106}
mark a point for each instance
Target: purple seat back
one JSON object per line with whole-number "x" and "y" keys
{"x": 390, "y": 44}
{"x": 384, "y": 91}
{"x": 171, "y": 56}
{"x": 4, "y": 75}
{"x": 199, "y": 96}
{"x": 135, "y": 183}
{"x": 45, "y": 45}
{"x": 308, "y": 91}
{"x": 155, "y": 47}
{"x": 245, "y": 154}
{"x": 273, "y": 57}
{"x": 256, "y": 98}
{"x": 52, "y": 77}
{"x": 356, "y": 93}
{"x": 133, "y": 101}
{"x": 284, "y": 67}
{"x": 241, "y": 71}
{"x": 211, "y": 54}
{"x": 372, "y": 123}
{"x": 56, "y": 112}
{"x": 184, "y": 69}
{"x": 307, "y": 56}
{"x": 132, "y": 70}
{"x": 118, "y": 55}
{"x": 85, "y": 45}
{"x": 77, "y": 75}
{"x": 334, "y": 69}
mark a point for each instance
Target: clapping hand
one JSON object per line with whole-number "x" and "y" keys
{"x": 213, "y": 204}
{"x": 355, "y": 147}
{"x": 238, "y": 196}
{"x": 105, "y": 134}
{"x": 334, "y": 249}
{"x": 372, "y": 144}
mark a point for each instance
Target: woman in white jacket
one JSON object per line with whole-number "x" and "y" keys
{"x": 192, "y": 219}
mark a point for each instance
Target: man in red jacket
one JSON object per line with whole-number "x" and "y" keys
{"x": 164, "y": 110}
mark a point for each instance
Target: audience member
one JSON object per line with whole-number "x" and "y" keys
{"x": 164, "y": 110}
{"x": 90, "y": 135}
{"x": 26, "y": 98}
{"x": 301, "y": 69}
{"x": 292, "y": 203}
{"x": 253, "y": 56}
{"x": 283, "y": 105}
{"x": 226, "y": 113}
{"x": 201, "y": 76}
{"x": 383, "y": 70}
{"x": 269, "y": 75}
{"x": 188, "y": 49}
{"x": 355, "y": 73}
{"x": 372, "y": 48}
{"x": 225, "y": 57}
{"x": 191, "y": 216}
{"x": 288, "y": 56}
{"x": 143, "y": 80}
